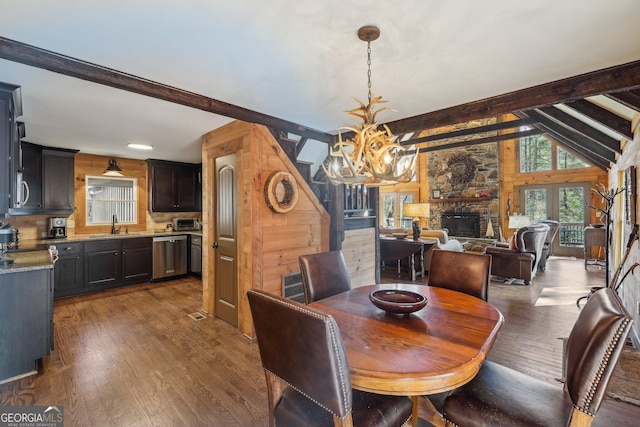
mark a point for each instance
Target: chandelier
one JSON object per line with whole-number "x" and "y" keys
{"x": 373, "y": 155}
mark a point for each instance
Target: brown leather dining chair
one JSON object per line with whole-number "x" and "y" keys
{"x": 465, "y": 272}
{"x": 306, "y": 369}
{"x": 500, "y": 396}
{"x": 323, "y": 274}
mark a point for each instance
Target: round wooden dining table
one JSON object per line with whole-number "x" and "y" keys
{"x": 435, "y": 349}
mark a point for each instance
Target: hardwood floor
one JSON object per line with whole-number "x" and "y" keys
{"x": 134, "y": 357}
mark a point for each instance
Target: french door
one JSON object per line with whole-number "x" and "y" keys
{"x": 564, "y": 203}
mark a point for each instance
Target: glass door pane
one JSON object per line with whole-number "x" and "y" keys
{"x": 571, "y": 214}
{"x": 536, "y": 204}
{"x": 563, "y": 203}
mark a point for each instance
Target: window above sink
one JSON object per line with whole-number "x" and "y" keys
{"x": 108, "y": 196}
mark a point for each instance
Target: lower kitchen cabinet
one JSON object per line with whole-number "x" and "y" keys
{"x": 26, "y": 321}
{"x": 69, "y": 271}
{"x": 85, "y": 267}
{"x": 137, "y": 258}
{"x": 103, "y": 263}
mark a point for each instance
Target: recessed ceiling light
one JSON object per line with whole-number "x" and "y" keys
{"x": 140, "y": 146}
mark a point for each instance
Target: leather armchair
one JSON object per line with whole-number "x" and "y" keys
{"x": 548, "y": 242}
{"x": 521, "y": 262}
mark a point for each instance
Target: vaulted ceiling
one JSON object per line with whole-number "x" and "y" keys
{"x": 97, "y": 76}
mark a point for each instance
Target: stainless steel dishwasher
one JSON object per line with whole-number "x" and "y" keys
{"x": 169, "y": 256}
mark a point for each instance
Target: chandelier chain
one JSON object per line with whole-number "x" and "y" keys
{"x": 369, "y": 69}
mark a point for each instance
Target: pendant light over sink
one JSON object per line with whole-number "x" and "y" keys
{"x": 113, "y": 169}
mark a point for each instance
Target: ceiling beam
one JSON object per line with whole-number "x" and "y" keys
{"x": 496, "y": 138}
{"x": 606, "y": 118}
{"x": 470, "y": 131}
{"x": 595, "y": 153}
{"x": 576, "y": 125}
{"x": 68, "y": 66}
{"x": 629, "y": 99}
{"x": 621, "y": 77}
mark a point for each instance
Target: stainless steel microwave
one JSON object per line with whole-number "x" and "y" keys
{"x": 186, "y": 224}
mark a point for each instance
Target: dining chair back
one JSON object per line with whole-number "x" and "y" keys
{"x": 466, "y": 272}
{"x": 500, "y": 396}
{"x": 323, "y": 274}
{"x": 306, "y": 369}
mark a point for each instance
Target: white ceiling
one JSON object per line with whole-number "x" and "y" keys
{"x": 299, "y": 61}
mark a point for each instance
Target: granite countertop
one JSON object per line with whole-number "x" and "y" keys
{"x": 105, "y": 236}
{"x": 27, "y": 261}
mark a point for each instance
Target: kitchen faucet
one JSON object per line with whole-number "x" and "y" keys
{"x": 114, "y": 221}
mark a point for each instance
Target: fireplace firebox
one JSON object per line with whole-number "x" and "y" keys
{"x": 461, "y": 224}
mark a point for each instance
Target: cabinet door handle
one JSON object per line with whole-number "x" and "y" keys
{"x": 115, "y": 253}
{"x": 214, "y": 245}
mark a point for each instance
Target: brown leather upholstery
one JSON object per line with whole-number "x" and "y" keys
{"x": 548, "y": 242}
{"x": 500, "y": 396}
{"x": 466, "y": 272}
{"x": 305, "y": 364}
{"x": 323, "y": 274}
{"x": 521, "y": 262}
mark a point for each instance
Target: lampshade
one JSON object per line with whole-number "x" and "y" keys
{"x": 113, "y": 169}
{"x": 416, "y": 210}
{"x": 517, "y": 221}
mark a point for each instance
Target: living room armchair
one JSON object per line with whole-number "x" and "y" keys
{"x": 548, "y": 242}
{"x": 520, "y": 260}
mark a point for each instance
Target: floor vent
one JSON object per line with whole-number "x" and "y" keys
{"x": 292, "y": 287}
{"x": 197, "y": 316}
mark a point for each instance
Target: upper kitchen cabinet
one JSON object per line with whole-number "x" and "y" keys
{"x": 10, "y": 108}
{"x": 48, "y": 174}
{"x": 174, "y": 187}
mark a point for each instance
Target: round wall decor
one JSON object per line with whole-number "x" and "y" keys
{"x": 281, "y": 192}
{"x": 462, "y": 167}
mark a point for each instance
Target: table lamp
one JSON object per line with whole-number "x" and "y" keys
{"x": 416, "y": 211}
{"x": 517, "y": 221}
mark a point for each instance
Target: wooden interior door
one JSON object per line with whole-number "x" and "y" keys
{"x": 226, "y": 242}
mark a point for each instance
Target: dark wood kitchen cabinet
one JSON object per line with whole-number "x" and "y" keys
{"x": 103, "y": 265}
{"x": 68, "y": 270}
{"x": 96, "y": 265}
{"x": 58, "y": 177}
{"x": 10, "y": 109}
{"x": 26, "y": 320}
{"x": 174, "y": 186}
{"x": 49, "y": 174}
{"x": 137, "y": 259}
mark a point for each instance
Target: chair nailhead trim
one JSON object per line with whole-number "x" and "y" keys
{"x": 323, "y": 317}
{"x": 601, "y": 368}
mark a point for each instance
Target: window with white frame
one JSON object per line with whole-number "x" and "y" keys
{"x": 107, "y": 196}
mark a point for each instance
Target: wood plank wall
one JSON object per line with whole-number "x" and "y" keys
{"x": 269, "y": 243}
{"x": 359, "y": 249}
{"x": 94, "y": 165}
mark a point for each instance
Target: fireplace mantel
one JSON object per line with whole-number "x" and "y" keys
{"x": 460, "y": 199}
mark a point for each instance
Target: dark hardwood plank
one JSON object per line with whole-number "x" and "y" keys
{"x": 133, "y": 357}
